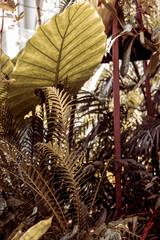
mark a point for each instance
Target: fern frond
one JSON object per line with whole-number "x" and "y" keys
{"x": 58, "y": 111}
{"x": 31, "y": 176}
{"x": 58, "y": 185}
{"x": 9, "y": 128}
{"x": 69, "y": 170}
{"x": 31, "y": 133}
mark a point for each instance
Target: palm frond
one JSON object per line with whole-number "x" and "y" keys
{"x": 95, "y": 126}
{"x": 30, "y": 134}
{"x": 143, "y": 139}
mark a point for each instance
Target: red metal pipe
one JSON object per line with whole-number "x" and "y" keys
{"x": 117, "y": 137}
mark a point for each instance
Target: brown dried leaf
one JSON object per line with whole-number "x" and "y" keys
{"x": 153, "y": 63}
{"x": 14, "y": 202}
{"x": 102, "y": 218}
{"x": 157, "y": 203}
{"x": 8, "y": 6}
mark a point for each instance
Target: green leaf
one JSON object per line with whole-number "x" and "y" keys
{"x": 35, "y": 232}
{"x": 64, "y": 51}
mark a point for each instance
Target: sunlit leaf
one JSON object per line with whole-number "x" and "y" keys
{"x": 6, "y": 70}
{"x": 64, "y": 52}
{"x": 6, "y": 66}
{"x": 37, "y": 230}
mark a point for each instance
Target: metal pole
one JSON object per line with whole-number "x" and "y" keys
{"x": 117, "y": 137}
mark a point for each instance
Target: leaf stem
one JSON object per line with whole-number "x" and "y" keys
{"x": 38, "y": 13}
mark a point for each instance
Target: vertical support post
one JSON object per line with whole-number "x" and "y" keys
{"x": 117, "y": 137}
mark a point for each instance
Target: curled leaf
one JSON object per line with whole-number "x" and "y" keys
{"x": 126, "y": 59}
{"x": 102, "y": 218}
{"x": 70, "y": 234}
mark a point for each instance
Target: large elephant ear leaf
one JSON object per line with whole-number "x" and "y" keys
{"x": 63, "y": 52}
{"x": 6, "y": 70}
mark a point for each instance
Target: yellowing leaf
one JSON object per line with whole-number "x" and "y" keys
{"x": 64, "y": 51}
{"x": 35, "y": 232}
{"x": 17, "y": 236}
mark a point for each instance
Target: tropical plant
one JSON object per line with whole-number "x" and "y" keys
{"x": 53, "y": 177}
{"x": 73, "y": 43}
{"x": 57, "y": 161}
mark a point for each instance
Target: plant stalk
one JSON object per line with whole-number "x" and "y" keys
{"x": 38, "y": 13}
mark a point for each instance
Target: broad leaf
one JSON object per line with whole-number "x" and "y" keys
{"x": 62, "y": 52}
{"x": 6, "y": 66}
{"x": 6, "y": 70}
{"x": 37, "y": 230}
{"x": 14, "y": 60}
